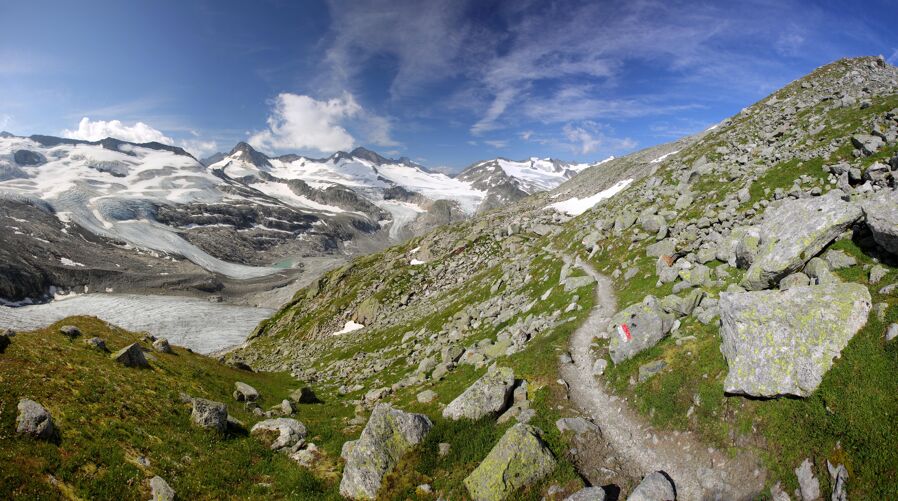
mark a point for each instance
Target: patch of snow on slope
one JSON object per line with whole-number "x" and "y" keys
{"x": 283, "y": 193}
{"x": 576, "y": 206}
{"x": 402, "y": 214}
{"x": 662, "y": 157}
{"x": 349, "y": 327}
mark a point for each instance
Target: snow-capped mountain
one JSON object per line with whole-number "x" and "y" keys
{"x": 505, "y": 181}
{"x": 246, "y": 215}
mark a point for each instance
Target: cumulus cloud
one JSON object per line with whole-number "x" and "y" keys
{"x": 589, "y": 137}
{"x": 95, "y": 130}
{"x": 300, "y": 122}
{"x": 198, "y": 147}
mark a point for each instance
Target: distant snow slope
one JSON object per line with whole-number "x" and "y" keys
{"x": 111, "y": 192}
{"x": 576, "y": 206}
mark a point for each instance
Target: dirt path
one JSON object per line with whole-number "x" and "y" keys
{"x": 699, "y": 472}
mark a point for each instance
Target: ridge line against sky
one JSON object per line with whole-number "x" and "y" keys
{"x": 445, "y": 82}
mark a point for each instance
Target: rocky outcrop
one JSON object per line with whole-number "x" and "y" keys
{"x": 639, "y": 327}
{"x": 389, "y": 435}
{"x": 518, "y": 459}
{"x": 794, "y": 232}
{"x": 783, "y": 342}
{"x": 33, "y": 420}
{"x": 491, "y": 394}
{"x": 881, "y": 213}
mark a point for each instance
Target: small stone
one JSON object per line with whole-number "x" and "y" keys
{"x": 810, "y": 486}
{"x": 162, "y": 346}
{"x": 598, "y": 368}
{"x": 654, "y": 487}
{"x": 287, "y": 407}
{"x": 96, "y": 343}
{"x": 304, "y": 395}
{"x": 444, "y": 449}
{"x": 244, "y": 392}
{"x": 588, "y": 494}
{"x": 426, "y": 396}
{"x": 70, "y": 331}
{"x": 877, "y": 273}
{"x": 892, "y": 332}
{"x": 160, "y": 489}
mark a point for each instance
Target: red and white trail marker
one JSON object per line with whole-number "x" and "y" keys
{"x": 624, "y": 332}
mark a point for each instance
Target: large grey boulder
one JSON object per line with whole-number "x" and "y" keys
{"x": 160, "y": 490}
{"x": 131, "y": 356}
{"x": 290, "y": 432}
{"x": 783, "y": 342}
{"x": 389, "y": 435}
{"x": 639, "y": 327}
{"x": 654, "y": 487}
{"x": 881, "y": 214}
{"x": 33, "y": 420}
{"x": 491, "y": 394}
{"x": 518, "y": 459}
{"x": 794, "y": 232}
{"x": 162, "y": 346}
{"x": 210, "y": 414}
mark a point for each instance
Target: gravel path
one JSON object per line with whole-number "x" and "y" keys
{"x": 699, "y": 472}
{"x": 195, "y": 323}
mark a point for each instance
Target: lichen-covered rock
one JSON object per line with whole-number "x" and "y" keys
{"x": 389, "y": 435}
{"x": 639, "y": 327}
{"x": 131, "y": 356}
{"x": 783, "y": 342}
{"x": 290, "y": 432}
{"x": 654, "y": 487}
{"x": 794, "y": 232}
{"x": 518, "y": 459}
{"x": 881, "y": 214}
{"x": 33, "y": 420}
{"x": 491, "y": 394}
{"x": 210, "y": 414}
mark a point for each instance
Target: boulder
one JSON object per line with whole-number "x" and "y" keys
{"x": 794, "y": 232}
{"x": 70, "y": 331}
{"x": 426, "y": 396}
{"x": 389, "y": 435}
{"x": 131, "y": 356}
{"x": 654, "y": 487}
{"x": 639, "y": 327}
{"x": 573, "y": 283}
{"x": 809, "y": 486}
{"x": 304, "y": 395}
{"x": 244, "y": 392}
{"x": 210, "y": 414}
{"x": 290, "y": 432}
{"x": 587, "y": 494}
{"x": 33, "y": 420}
{"x": 795, "y": 280}
{"x": 518, "y": 459}
{"x": 96, "y": 343}
{"x": 665, "y": 247}
{"x": 4, "y": 342}
{"x": 162, "y": 346}
{"x": 881, "y": 215}
{"x": 783, "y": 342}
{"x": 160, "y": 490}
{"x": 489, "y": 395}
{"x": 868, "y": 144}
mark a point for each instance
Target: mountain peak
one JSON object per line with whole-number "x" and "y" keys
{"x": 366, "y": 154}
{"x": 249, "y": 154}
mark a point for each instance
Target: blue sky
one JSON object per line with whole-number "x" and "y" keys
{"x": 443, "y": 82}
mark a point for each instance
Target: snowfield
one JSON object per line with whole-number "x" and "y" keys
{"x": 195, "y": 323}
{"x": 576, "y": 206}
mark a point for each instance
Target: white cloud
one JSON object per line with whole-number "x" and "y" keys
{"x": 95, "y": 130}
{"x": 300, "y": 122}
{"x": 589, "y": 138}
{"x": 199, "y": 148}
{"x": 496, "y": 143}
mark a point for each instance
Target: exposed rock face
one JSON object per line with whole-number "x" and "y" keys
{"x": 882, "y": 218}
{"x": 794, "y": 232}
{"x": 33, "y": 420}
{"x": 210, "y": 414}
{"x": 520, "y": 458}
{"x": 389, "y": 435}
{"x": 244, "y": 392}
{"x": 160, "y": 489}
{"x": 131, "y": 356}
{"x": 654, "y": 487}
{"x": 646, "y": 322}
{"x": 290, "y": 432}
{"x": 783, "y": 342}
{"x": 491, "y": 394}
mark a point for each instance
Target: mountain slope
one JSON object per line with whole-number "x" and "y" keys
{"x": 435, "y": 312}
